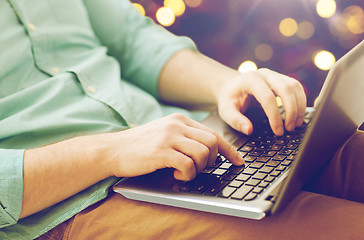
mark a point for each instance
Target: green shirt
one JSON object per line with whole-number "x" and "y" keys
{"x": 70, "y": 68}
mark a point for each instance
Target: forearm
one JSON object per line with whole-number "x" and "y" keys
{"x": 190, "y": 77}
{"x": 58, "y": 171}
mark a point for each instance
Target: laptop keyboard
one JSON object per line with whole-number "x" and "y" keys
{"x": 266, "y": 158}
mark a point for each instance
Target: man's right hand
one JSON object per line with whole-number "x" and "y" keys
{"x": 174, "y": 141}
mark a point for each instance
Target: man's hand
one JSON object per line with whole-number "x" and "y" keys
{"x": 192, "y": 78}
{"x": 264, "y": 85}
{"x": 174, "y": 141}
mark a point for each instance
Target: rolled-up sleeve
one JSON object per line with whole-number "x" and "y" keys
{"x": 11, "y": 186}
{"x": 141, "y": 46}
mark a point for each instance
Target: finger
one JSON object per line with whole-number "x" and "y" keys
{"x": 224, "y": 147}
{"x": 198, "y": 152}
{"x": 229, "y": 152}
{"x": 264, "y": 95}
{"x": 232, "y": 115}
{"x": 289, "y": 90}
{"x": 184, "y": 166}
{"x": 208, "y": 144}
{"x": 292, "y": 95}
{"x": 302, "y": 104}
{"x": 291, "y": 110}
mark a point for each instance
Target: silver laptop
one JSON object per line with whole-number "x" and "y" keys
{"x": 276, "y": 167}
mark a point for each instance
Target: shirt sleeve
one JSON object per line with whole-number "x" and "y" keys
{"x": 141, "y": 46}
{"x": 11, "y": 186}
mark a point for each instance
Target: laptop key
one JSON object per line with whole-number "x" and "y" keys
{"x": 285, "y": 151}
{"x": 243, "y": 177}
{"x": 281, "y": 168}
{"x": 236, "y": 169}
{"x": 275, "y": 173}
{"x": 256, "y": 165}
{"x": 259, "y": 176}
{"x": 252, "y": 182}
{"x": 269, "y": 153}
{"x": 258, "y": 190}
{"x": 236, "y": 184}
{"x": 226, "y": 165}
{"x": 253, "y": 143}
{"x": 241, "y": 192}
{"x": 219, "y": 172}
{"x": 279, "y": 157}
{"x": 281, "y": 142}
{"x": 216, "y": 188}
{"x": 249, "y": 159}
{"x": 226, "y": 192}
{"x": 263, "y": 184}
{"x": 291, "y": 146}
{"x": 276, "y": 147}
{"x": 286, "y": 162}
{"x": 246, "y": 149}
{"x": 228, "y": 177}
{"x": 263, "y": 159}
{"x": 269, "y": 179}
{"x": 250, "y": 171}
{"x": 272, "y": 163}
{"x": 256, "y": 153}
{"x": 266, "y": 169}
{"x": 250, "y": 196}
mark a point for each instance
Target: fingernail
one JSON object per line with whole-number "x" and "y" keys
{"x": 241, "y": 159}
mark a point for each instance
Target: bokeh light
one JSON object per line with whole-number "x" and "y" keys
{"x": 165, "y": 16}
{"x": 326, "y": 8}
{"x": 247, "y": 66}
{"x": 305, "y": 30}
{"x": 177, "y": 6}
{"x": 324, "y": 59}
{"x": 288, "y": 27}
{"x": 140, "y": 8}
{"x": 193, "y": 3}
{"x": 263, "y": 52}
{"x": 354, "y": 19}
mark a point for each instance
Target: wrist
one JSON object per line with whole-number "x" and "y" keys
{"x": 95, "y": 152}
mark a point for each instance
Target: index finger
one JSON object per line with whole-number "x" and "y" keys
{"x": 224, "y": 147}
{"x": 267, "y": 99}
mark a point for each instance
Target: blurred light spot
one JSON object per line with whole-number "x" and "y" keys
{"x": 177, "y": 6}
{"x": 247, "y": 66}
{"x": 288, "y": 27}
{"x": 354, "y": 19}
{"x": 165, "y": 16}
{"x": 264, "y": 52}
{"x": 140, "y": 8}
{"x": 326, "y": 8}
{"x": 337, "y": 26}
{"x": 305, "y": 30}
{"x": 324, "y": 60}
{"x": 279, "y": 101}
{"x": 193, "y": 3}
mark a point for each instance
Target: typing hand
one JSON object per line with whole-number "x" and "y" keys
{"x": 174, "y": 141}
{"x": 264, "y": 85}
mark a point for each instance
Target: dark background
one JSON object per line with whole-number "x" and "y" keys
{"x": 230, "y": 30}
